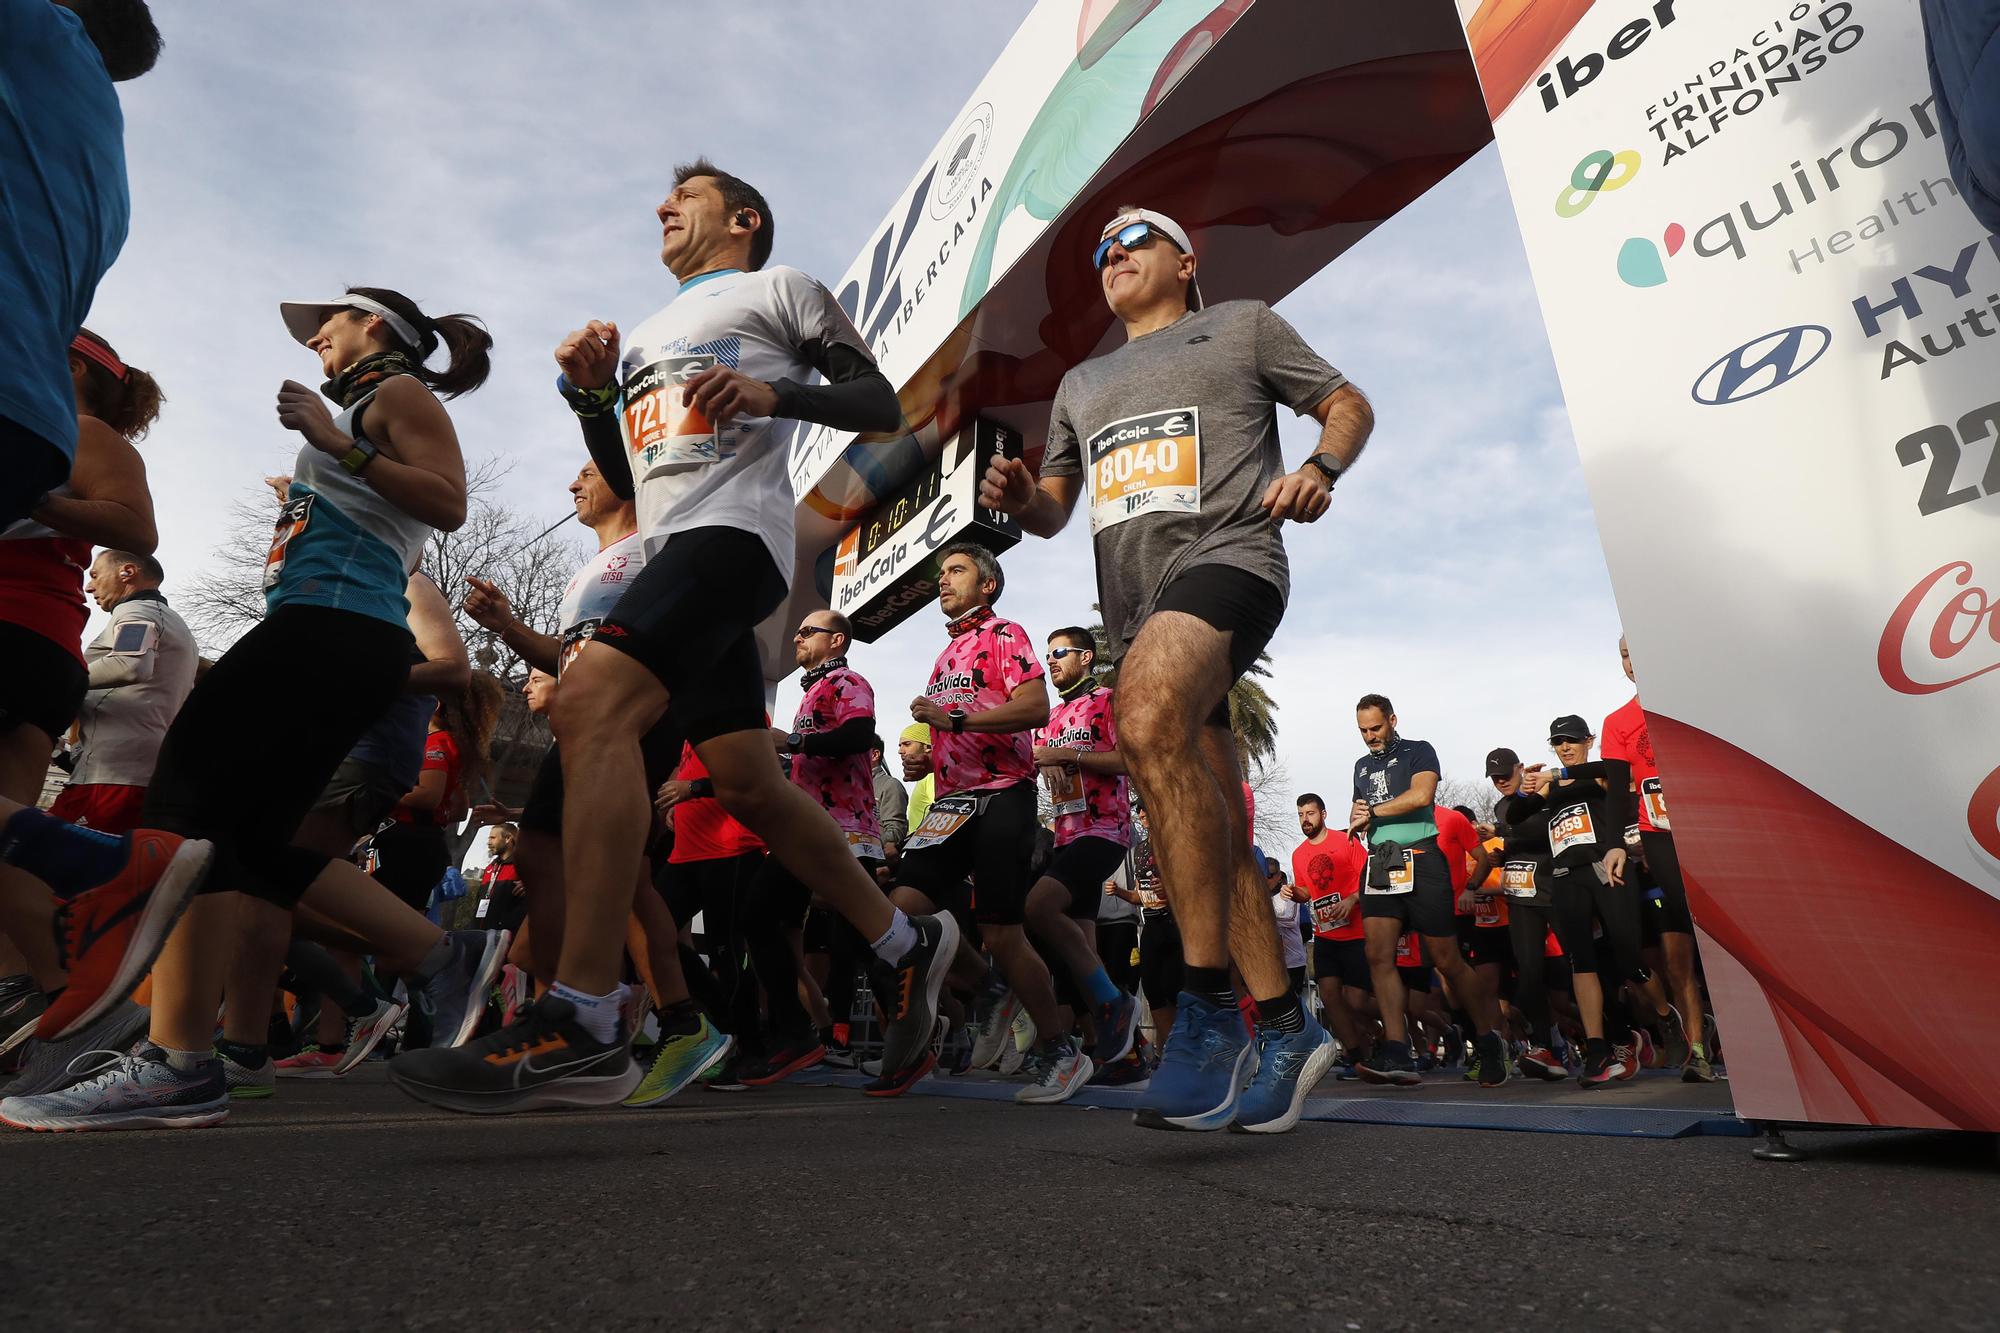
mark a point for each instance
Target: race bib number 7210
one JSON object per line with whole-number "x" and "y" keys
{"x": 1147, "y": 464}
{"x": 663, "y": 432}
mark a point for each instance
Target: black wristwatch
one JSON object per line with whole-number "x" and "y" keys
{"x": 1327, "y": 469}
{"x": 957, "y": 718}
{"x": 793, "y": 742}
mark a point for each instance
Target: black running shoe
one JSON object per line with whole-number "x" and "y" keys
{"x": 777, "y": 1065}
{"x": 545, "y": 1059}
{"x": 1492, "y": 1061}
{"x": 21, "y": 1006}
{"x": 912, "y": 1002}
{"x": 1390, "y": 1062}
{"x": 896, "y": 1082}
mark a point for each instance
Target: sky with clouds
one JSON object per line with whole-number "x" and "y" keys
{"x": 505, "y": 159}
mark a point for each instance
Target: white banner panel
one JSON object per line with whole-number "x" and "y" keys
{"x": 1778, "y": 334}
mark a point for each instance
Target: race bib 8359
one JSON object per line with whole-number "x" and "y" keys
{"x": 1147, "y": 464}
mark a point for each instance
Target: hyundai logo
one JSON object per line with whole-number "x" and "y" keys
{"x": 1762, "y": 364}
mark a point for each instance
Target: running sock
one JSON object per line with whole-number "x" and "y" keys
{"x": 1099, "y": 988}
{"x": 595, "y": 1014}
{"x": 66, "y": 858}
{"x": 186, "y": 1062}
{"x": 245, "y": 1054}
{"x": 1211, "y": 984}
{"x": 680, "y": 1019}
{"x": 898, "y": 940}
{"x": 1596, "y": 1048}
{"x": 1283, "y": 1014}
{"x": 434, "y": 961}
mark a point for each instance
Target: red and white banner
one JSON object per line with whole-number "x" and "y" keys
{"x": 1778, "y": 334}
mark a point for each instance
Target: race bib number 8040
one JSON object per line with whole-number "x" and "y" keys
{"x": 1147, "y": 464}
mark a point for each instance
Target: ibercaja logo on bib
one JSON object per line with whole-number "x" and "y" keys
{"x": 1144, "y": 465}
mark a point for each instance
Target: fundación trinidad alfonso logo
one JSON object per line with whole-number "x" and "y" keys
{"x": 1640, "y": 262}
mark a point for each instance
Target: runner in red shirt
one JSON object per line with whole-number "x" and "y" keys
{"x": 1482, "y": 918}
{"x": 709, "y": 873}
{"x": 1665, "y": 911}
{"x": 1328, "y": 866}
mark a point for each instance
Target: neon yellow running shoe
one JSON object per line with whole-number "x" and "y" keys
{"x": 680, "y": 1061}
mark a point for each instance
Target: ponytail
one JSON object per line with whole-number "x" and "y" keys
{"x": 123, "y": 397}
{"x": 464, "y": 338}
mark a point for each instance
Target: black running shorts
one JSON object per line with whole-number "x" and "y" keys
{"x": 45, "y": 683}
{"x": 1430, "y": 908}
{"x": 1669, "y": 911}
{"x": 1083, "y": 867}
{"x": 995, "y": 847}
{"x": 1235, "y": 601}
{"x": 1345, "y": 961}
{"x": 691, "y": 618}
{"x": 1485, "y": 946}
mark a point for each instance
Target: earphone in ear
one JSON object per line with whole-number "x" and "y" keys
{"x": 742, "y": 217}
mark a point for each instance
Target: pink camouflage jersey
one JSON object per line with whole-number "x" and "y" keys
{"x": 986, "y": 661}
{"x": 1087, "y": 805}
{"x": 842, "y": 783}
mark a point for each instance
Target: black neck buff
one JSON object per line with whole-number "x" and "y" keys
{"x": 1084, "y": 685}
{"x": 831, "y": 664}
{"x": 366, "y": 375}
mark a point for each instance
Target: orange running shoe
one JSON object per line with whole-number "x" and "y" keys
{"x": 109, "y": 935}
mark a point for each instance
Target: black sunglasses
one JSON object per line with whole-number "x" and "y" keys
{"x": 807, "y": 631}
{"x": 1131, "y": 236}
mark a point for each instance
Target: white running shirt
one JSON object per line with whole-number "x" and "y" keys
{"x": 686, "y": 473}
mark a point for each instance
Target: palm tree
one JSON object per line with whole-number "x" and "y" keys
{"x": 1252, "y": 710}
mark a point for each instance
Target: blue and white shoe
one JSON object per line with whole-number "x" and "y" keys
{"x": 137, "y": 1091}
{"x": 1288, "y": 1065}
{"x": 1202, "y": 1070}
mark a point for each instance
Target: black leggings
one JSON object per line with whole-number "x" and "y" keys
{"x": 718, "y": 889}
{"x": 777, "y": 906}
{"x": 1582, "y": 899}
{"x": 1528, "y": 930}
{"x": 256, "y": 743}
{"x": 1162, "y": 969}
{"x": 1116, "y": 941}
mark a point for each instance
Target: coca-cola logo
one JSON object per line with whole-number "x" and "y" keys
{"x": 1982, "y": 815}
{"x": 1945, "y": 632}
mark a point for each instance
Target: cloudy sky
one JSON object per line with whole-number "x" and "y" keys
{"x": 509, "y": 167}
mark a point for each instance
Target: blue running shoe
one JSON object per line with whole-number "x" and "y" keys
{"x": 1288, "y": 1064}
{"x": 1117, "y": 1030}
{"x": 1202, "y": 1069}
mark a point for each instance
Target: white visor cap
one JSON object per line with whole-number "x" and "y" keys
{"x": 304, "y": 318}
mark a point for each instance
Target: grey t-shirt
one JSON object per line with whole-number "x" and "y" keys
{"x": 1177, "y": 432}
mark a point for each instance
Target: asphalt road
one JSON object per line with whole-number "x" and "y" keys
{"x": 339, "y": 1206}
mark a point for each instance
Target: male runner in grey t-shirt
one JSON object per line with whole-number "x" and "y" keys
{"x": 1177, "y": 431}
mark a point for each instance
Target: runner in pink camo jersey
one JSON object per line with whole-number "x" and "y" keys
{"x": 1079, "y": 759}
{"x": 986, "y": 661}
{"x": 986, "y": 696}
{"x": 828, "y": 750}
{"x": 838, "y": 700}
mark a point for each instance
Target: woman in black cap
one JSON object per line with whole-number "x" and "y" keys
{"x": 1583, "y": 808}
